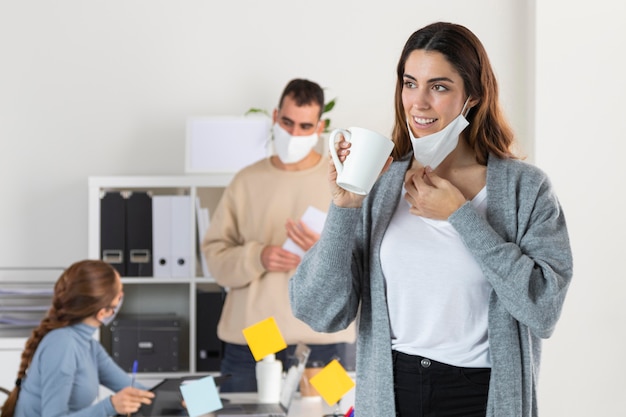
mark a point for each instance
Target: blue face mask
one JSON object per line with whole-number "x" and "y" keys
{"x": 108, "y": 320}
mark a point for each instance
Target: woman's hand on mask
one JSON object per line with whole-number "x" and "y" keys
{"x": 430, "y": 195}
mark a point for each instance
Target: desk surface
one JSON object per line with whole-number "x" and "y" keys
{"x": 300, "y": 407}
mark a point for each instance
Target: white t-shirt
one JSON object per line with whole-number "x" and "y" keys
{"x": 437, "y": 294}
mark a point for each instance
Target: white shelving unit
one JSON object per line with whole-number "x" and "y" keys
{"x": 150, "y": 295}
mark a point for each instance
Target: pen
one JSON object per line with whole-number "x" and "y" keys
{"x": 350, "y": 412}
{"x": 132, "y": 382}
{"x": 133, "y": 376}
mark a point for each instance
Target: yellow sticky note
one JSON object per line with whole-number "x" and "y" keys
{"x": 332, "y": 382}
{"x": 264, "y": 338}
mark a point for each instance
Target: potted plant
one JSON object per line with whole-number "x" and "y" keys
{"x": 327, "y": 107}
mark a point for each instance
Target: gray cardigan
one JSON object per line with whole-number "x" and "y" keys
{"x": 522, "y": 248}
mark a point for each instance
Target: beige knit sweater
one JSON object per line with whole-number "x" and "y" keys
{"x": 251, "y": 214}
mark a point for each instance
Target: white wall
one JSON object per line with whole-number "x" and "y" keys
{"x": 580, "y": 93}
{"x": 103, "y": 88}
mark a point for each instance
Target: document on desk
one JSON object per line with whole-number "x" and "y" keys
{"x": 313, "y": 218}
{"x": 201, "y": 396}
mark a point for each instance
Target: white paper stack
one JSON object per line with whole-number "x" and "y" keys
{"x": 202, "y": 216}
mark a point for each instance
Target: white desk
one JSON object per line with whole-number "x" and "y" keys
{"x": 300, "y": 407}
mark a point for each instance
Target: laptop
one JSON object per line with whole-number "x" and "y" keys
{"x": 168, "y": 398}
{"x": 295, "y": 369}
{"x": 167, "y": 401}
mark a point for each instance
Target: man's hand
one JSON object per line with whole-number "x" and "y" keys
{"x": 301, "y": 234}
{"x": 277, "y": 259}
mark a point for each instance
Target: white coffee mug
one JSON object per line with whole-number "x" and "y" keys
{"x": 368, "y": 153}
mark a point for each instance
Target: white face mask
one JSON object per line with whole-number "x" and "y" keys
{"x": 292, "y": 149}
{"x": 431, "y": 150}
{"x": 108, "y": 320}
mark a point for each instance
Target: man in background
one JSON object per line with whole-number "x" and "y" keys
{"x": 259, "y": 210}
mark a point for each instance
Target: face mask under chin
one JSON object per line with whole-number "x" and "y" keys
{"x": 431, "y": 150}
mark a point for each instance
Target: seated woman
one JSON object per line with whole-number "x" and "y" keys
{"x": 63, "y": 365}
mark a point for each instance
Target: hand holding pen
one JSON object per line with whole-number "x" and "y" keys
{"x": 130, "y": 399}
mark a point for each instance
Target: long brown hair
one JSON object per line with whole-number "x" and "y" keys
{"x": 80, "y": 292}
{"x": 489, "y": 131}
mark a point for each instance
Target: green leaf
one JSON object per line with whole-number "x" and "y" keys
{"x": 330, "y": 105}
{"x": 327, "y": 107}
{"x": 253, "y": 110}
{"x": 326, "y": 125}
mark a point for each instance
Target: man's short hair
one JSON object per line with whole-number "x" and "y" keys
{"x": 304, "y": 92}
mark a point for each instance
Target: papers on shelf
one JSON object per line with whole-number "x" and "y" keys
{"x": 29, "y": 308}
{"x": 26, "y": 291}
{"x": 202, "y": 216}
{"x": 18, "y": 322}
{"x": 23, "y": 305}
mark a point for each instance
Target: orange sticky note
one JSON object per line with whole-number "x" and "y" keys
{"x": 332, "y": 382}
{"x": 264, "y": 338}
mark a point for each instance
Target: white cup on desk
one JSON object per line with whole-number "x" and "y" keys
{"x": 369, "y": 151}
{"x": 269, "y": 374}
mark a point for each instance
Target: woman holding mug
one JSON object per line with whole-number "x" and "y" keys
{"x": 62, "y": 364}
{"x": 457, "y": 262}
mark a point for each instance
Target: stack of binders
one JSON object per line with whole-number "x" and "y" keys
{"x": 172, "y": 235}
{"x": 113, "y": 230}
{"x": 139, "y": 235}
{"x": 143, "y": 235}
{"x": 126, "y": 232}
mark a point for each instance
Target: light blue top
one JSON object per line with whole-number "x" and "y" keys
{"x": 65, "y": 374}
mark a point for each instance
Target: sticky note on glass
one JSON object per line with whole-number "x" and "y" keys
{"x": 201, "y": 396}
{"x": 332, "y": 382}
{"x": 264, "y": 338}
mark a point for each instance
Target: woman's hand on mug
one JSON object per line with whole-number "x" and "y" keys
{"x": 341, "y": 197}
{"x": 343, "y": 148}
